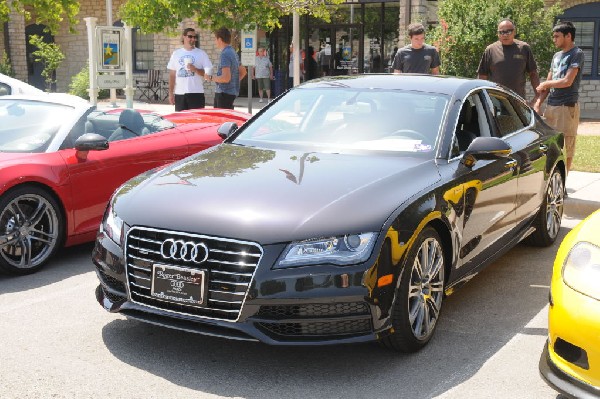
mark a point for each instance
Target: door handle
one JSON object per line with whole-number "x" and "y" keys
{"x": 543, "y": 148}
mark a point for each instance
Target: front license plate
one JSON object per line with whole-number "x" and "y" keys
{"x": 178, "y": 284}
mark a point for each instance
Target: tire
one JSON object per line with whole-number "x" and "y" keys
{"x": 419, "y": 297}
{"x": 547, "y": 221}
{"x": 31, "y": 230}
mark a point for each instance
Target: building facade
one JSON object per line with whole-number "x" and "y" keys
{"x": 362, "y": 37}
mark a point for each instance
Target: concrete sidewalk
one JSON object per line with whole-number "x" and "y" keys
{"x": 583, "y": 194}
{"x": 583, "y": 189}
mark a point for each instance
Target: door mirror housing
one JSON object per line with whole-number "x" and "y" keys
{"x": 91, "y": 142}
{"x": 227, "y": 129}
{"x": 485, "y": 148}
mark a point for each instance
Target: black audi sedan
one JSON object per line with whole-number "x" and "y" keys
{"x": 343, "y": 212}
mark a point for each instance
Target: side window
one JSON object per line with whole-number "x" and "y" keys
{"x": 467, "y": 126}
{"x": 506, "y": 117}
{"x": 524, "y": 112}
{"x": 79, "y": 128}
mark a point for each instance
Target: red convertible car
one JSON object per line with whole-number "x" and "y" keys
{"x": 61, "y": 159}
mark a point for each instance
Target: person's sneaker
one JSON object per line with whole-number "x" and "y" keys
{"x": 260, "y": 101}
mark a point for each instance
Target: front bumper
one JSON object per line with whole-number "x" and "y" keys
{"x": 563, "y": 382}
{"x": 298, "y": 306}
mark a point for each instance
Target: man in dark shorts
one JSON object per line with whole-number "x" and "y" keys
{"x": 562, "y": 86}
{"x": 508, "y": 60}
{"x": 417, "y": 57}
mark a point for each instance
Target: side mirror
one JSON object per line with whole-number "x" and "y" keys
{"x": 91, "y": 142}
{"x": 485, "y": 148}
{"x": 227, "y": 129}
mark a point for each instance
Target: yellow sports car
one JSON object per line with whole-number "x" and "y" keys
{"x": 570, "y": 362}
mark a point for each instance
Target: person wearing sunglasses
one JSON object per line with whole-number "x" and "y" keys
{"x": 187, "y": 67}
{"x": 508, "y": 61}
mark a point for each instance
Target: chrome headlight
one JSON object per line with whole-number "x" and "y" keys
{"x": 581, "y": 269}
{"x": 112, "y": 225}
{"x": 341, "y": 250}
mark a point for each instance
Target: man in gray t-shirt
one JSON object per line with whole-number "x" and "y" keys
{"x": 417, "y": 57}
{"x": 562, "y": 87}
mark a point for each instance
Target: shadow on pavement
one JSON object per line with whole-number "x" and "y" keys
{"x": 477, "y": 321}
{"x": 66, "y": 263}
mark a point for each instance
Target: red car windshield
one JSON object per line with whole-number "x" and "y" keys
{"x": 29, "y": 126}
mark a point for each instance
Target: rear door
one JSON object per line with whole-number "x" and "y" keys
{"x": 513, "y": 122}
{"x": 486, "y": 192}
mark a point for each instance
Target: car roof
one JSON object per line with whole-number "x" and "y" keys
{"x": 448, "y": 85}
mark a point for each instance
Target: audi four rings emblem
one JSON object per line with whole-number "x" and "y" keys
{"x": 186, "y": 251}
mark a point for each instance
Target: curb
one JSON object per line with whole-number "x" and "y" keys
{"x": 579, "y": 208}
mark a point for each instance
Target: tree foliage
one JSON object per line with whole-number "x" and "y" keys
{"x": 50, "y": 56}
{"x": 51, "y": 13}
{"x": 154, "y": 16}
{"x": 467, "y": 27}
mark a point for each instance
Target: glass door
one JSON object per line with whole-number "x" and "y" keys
{"x": 338, "y": 49}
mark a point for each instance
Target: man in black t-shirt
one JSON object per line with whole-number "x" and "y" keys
{"x": 417, "y": 57}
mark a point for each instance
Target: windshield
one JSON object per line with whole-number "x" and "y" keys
{"x": 344, "y": 119}
{"x": 29, "y": 126}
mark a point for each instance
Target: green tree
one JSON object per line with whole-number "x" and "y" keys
{"x": 49, "y": 55}
{"x": 467, "y": 27}
{"x": 154, "y": 16}
{"x": 51, "y": 13}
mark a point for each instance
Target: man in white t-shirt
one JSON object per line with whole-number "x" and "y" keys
{"x": 186, "y": 69}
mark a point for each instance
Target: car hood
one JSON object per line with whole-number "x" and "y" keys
{"x": 271, "y": 196}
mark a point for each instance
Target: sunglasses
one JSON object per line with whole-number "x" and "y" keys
{"x": 506, "y": 32}
{"x": 192, "y": 36}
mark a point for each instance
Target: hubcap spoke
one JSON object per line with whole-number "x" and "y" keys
{"x": 39, "y": 213}
{"x": 42, "y": 236}
{"x": 25, "y": 245}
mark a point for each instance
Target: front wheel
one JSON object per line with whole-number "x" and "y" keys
{"x": 419, "y": 297}
{"x": 547, "y": 221}
{"x": 31, "y": 230}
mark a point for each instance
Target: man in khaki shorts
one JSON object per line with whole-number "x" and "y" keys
{"x": 562, "y": 87}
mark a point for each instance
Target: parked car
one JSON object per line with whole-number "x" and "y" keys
{"x": 342, "y": 212}
{"x": 61, "y": 159}
{"x": 570, "y": 361}
{"x": 10, "y": 85}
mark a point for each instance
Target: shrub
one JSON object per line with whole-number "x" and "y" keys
{"x": 5, "y": 66}
{"x": 80, "y": 84}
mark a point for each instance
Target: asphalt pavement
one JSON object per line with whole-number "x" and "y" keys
{"x": 583, "y": 188}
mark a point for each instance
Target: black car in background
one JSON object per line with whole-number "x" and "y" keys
{"x": 342, "y": 212}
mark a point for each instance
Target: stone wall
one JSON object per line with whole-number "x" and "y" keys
{"x": 16, "y": 31}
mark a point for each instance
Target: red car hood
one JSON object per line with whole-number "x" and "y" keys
{"x": 207, "y": 115}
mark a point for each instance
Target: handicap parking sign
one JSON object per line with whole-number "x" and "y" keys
{"x": 248, "y": 43}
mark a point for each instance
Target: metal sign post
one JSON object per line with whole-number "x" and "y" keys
{"x": 249, "y": 58}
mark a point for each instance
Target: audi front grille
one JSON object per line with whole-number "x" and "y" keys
{"x": 229, "y": 266}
